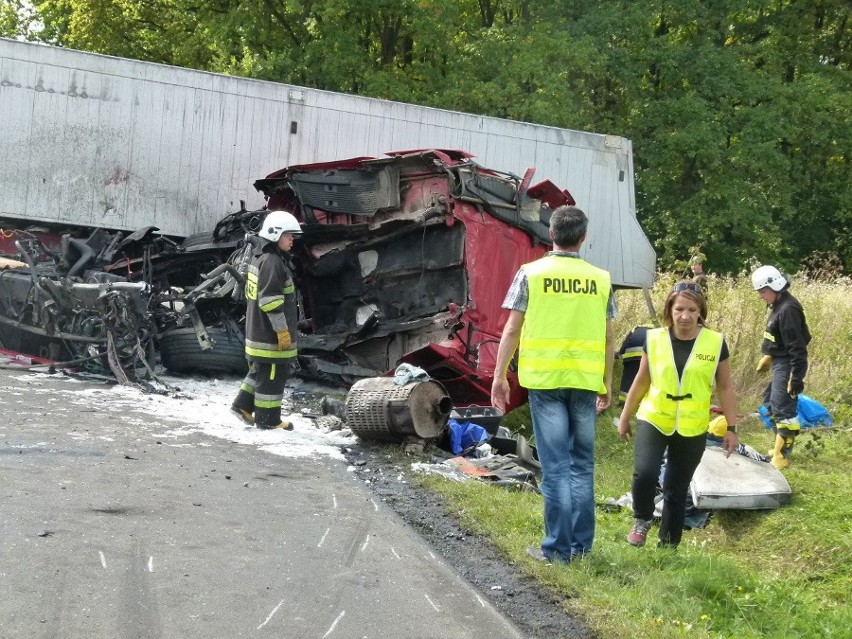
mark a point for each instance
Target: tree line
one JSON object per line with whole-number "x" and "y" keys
{"x": 740, "y": 113}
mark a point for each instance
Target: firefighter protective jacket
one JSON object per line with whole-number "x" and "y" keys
{"x": 270, "y": 307}
{"x": 787, "y": 334}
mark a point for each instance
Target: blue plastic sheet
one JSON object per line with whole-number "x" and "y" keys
{"x": 810, "y": 413}
{"x": 464, "y": 435}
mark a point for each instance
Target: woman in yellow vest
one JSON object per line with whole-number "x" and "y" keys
{"x": 672, "y": 391}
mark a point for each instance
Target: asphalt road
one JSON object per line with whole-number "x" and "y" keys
{"x": 112, "y": 527}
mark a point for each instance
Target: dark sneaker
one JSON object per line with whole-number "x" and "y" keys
{"x": 536, "y": 553}
{"x": 639, "y": 532}
{"x": 243, "y": 415}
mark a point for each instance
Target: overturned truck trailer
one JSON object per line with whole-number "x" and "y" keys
{"x": 95, "y": 141}
{"x": 406, "y": 256}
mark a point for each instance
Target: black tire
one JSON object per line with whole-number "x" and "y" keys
{"x": 180, "y": 352}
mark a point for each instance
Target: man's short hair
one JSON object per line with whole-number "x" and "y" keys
{"x": 568, "y": 224}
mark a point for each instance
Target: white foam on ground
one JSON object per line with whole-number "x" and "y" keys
{"x": 203, "y": 406}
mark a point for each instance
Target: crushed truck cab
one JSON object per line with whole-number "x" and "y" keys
{"x": 408, "y": 259}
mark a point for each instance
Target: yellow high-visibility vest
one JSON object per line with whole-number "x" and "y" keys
{"x": 563, "y": 339}
{"x": 680, "y": 404}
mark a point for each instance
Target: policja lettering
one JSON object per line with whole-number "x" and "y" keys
{"x": 705, "y": 358}
{"x": 587, "y": 286}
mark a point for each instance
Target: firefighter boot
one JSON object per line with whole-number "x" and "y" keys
{"x": 787, "y": 448}
{"x": 243, "y": 415}
{"x": 771, "y": 451}
{"x": 779, "y": 458}
{"x": 284, "y": 425}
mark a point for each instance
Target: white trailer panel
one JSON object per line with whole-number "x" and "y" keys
{"x": 95, "y": 140}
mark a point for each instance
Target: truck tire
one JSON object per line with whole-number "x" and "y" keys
{"x": 180, "y": 352}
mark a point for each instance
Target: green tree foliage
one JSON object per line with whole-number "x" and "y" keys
{"x": 12, "y": 18}
{"x": 739, "y": 112}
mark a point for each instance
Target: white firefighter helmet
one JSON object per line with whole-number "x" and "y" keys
{"x": 278, "y": 222}
{"x": 768, "y": 276}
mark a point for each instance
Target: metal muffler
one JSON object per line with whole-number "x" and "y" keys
{"x": 376, "y": 408}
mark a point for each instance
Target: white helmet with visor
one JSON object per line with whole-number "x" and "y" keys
{"x": 768, "y": 276}
{"x": 278, "y": 222}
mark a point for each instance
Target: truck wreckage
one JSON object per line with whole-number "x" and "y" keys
{"x": 404, "y": 259}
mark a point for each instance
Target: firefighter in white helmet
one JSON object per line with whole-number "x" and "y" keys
{"x": 785, "y": 351}
{"x": 271, "y": 319}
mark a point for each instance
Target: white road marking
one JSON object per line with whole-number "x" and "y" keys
{"x": 330, "y": 630}
{"x": 150, "y": 564}
{"x": 274, "y": 610}
{"x": 334, "y": 500}
{"x": 431, "y": 555}
{"x": 103, "y": 559}
{"x": 366, "y": 541}
{"x": 479, "y": 599}
{"x": 319, "y": 545}
{"x": 375, "y": 505}
{"x": 395, "y": 553}
{"x": 432, "y": 602}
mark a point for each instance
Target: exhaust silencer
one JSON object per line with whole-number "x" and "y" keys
{"x": 376, "y": 408}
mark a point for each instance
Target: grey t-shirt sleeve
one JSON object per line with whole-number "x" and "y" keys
{"x": 517, "y": 298}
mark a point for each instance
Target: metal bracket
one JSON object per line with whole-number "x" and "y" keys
{"x": 204, "y": 340}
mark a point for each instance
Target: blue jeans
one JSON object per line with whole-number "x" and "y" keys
{"x": 564, "y": 426}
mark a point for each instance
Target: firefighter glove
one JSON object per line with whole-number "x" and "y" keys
{"x": 284, "y": 340}
{"x": 764, "y": 364}
{"x": 795, "y": 387}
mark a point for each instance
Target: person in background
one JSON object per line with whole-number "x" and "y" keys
{"x": 698, "y": 276}
{"x": 785, "y": 352}
{"x": 560, "y": 312}
{"x": 271, "y": 320}
{"x": 630, "y": 354}
{"x": 672, "y": 391}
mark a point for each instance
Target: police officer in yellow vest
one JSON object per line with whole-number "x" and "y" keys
{"x": 271, "y": 320}
{"x": 560, "y": 311}
{"x": 681, "y": 363}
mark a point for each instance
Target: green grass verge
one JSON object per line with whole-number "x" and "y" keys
{"x": 781, "y": 573}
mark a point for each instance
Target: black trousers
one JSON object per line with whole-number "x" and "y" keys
{"x": 262, "y": 392}
{"x": 684, "y": 455}
{"x": 776, "y": 398}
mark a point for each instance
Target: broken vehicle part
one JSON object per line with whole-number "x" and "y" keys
{"x": 417, "y": 278}
{"x": 377, "y": 408}
{"x": 403, "y": 259}
{"x": 63, "y": 319}
{"x": 489, "y": 417}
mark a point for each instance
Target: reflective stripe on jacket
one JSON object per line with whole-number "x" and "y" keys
{"x": 680, "y": 404}
{"x": 563, "y": 339}
{"x": 270, "y": 307}
{"x": 634, "y": 352}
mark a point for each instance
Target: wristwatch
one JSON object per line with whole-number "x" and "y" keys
{"x": 732, "y": 428}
